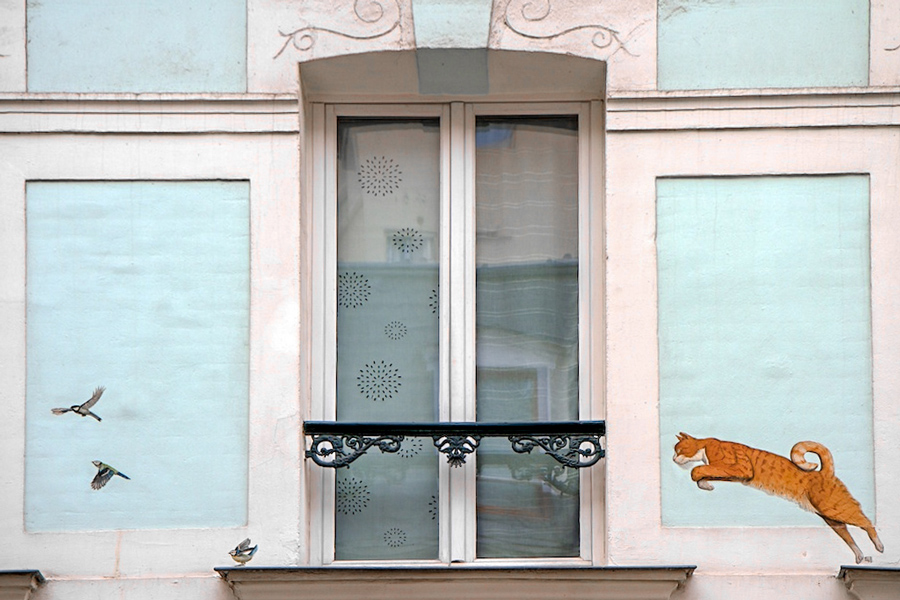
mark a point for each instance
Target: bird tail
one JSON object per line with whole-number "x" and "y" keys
{"x": 120, "y": 474}
{"x": 95, "y": 416}
{"x": 60, "y": 411}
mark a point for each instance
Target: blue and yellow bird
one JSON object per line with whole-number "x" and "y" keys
{"x": 242, "y": 553}
{"x": 104, "y": 474}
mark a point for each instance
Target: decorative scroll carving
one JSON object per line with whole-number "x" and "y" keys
{"x": 456, "y": 447}
{"x": 368, "y": 12}
{"x": 571, "y": 451}
{"x": 521, "y": 13}
{"x": 340, "y": 450}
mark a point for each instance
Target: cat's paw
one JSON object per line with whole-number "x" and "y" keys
{"x": 705, "y": 485}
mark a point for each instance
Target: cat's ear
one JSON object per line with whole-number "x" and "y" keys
{"x": 682, "y": 436}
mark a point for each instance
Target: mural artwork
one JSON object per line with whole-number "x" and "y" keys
{"x": 82, "y": 409}
{"x": 104, "y": 474}
{"x": 243, "y": 552}
{"x": 816, "y": 490}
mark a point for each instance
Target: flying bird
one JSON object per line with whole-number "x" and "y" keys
{"x": 242, "y": 553}
{"x": 104, "y": 474}
{"x": 82, "y": 409}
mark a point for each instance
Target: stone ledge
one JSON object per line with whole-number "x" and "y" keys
{"x": 18, "y": 585}
{"x": 872, "y": 583}
{"x": 446, "y": 582}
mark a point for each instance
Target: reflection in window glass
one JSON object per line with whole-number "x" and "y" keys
{"x": 526, "y": 328}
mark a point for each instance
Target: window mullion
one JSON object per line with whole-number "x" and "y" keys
{"x": 459, "y": 297}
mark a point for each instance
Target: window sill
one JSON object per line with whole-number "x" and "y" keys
{"x": 18, "y": 585}
{"x": 442, "y": 583}
{"x": 871, "y": 583}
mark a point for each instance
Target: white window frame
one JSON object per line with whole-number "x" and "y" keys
{"x": 457, "y": 340}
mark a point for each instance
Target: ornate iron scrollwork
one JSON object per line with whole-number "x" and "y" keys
{"x": 342, "y": 449}
{"x": 573, "y": 444}
{"x": 570, "y": 451}
{"x": 456, "y": 447}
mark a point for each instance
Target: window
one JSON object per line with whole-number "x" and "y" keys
{"x": 454, "y": 284}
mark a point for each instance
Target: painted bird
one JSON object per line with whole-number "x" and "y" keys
{"x": 104, "y": 474}
{"x": 242, "y": 553}
{"x": 82, "y": 409}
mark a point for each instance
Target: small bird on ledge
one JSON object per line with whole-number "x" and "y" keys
{"x": 243, "y": 553}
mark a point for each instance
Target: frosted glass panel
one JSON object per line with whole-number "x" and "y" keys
{"x": 764, "y": 333}
{"x": 526, "y": 328}
{"x": 144, "y": 288}
{"x": 137, "y": 46}
{"x": 387, "y": 331}
{"x": 708, "y": 44}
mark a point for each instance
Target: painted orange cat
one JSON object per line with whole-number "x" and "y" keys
{"x": 817, "y": 491}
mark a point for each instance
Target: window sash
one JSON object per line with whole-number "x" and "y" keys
{"x": 457, "y": 339}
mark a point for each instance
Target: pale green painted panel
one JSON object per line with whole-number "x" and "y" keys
{"x": 146, "y": 46}
{"x": 764, "y": 333}
{"x": 710, "y": 44}
{"x": 141, "y": 287}
{"x": 452, "y": 23}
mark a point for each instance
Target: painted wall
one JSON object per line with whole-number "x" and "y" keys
{"x": 661, "y": 376}
{"x": 764, "y": 333}
{"x": 688, "y": 138}
{"x": 147, "y": 46}
{"x": 144, "y": 288}
{"x": 254, "y": 45}
{"x": 762, "y": 43}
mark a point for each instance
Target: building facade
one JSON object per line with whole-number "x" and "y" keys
{"x": 655, "y": 239}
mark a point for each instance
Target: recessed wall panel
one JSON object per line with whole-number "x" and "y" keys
{"x": 764, "y": 335}
{"x": 710, "y": 44}
{"x": 146, "y": 46}
{"x": 141, "y": 288}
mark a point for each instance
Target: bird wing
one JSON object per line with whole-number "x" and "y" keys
{"x": 102, "y": 476}
{"x": 60, "y": 411}
{"x": 242, "y": 546}
{"x": 97, "y": 393}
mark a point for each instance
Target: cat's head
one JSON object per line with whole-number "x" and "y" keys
{"x": 688, "y": 449}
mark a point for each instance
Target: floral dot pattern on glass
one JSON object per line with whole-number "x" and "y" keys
{"x": 407, "y": 240}
{"x": 379, "y": 176}
{"x": 395, "y": 330}
{"x": 353, "y": 290}
{"x": 410, "y": 447}
{"x": 352, "y": 495}
{"x": 394, "y": 537}
{"x": 433, "y": 507}
{"x": 434, "y": 301}
{"x": 378, "y": 380}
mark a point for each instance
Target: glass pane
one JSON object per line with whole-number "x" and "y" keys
{"x": 388, "y": 230}
{"x": 526, "y": 328}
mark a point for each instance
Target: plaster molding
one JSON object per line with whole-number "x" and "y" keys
{"x": 749, "y": 109}
{"x": 151, "y": 113}
{"x": 18, "y": 585}
{"x": 527, "y": 18}
{"x": 619, "y": 32}
{"x": 440, "y": 583}
{"x": 365, "y": 20}
{"x": 871, "y": 583}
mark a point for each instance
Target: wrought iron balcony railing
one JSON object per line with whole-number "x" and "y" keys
{"x": 571, "y": 443}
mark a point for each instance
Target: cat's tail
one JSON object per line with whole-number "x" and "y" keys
{"x": 798, "y": 456}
